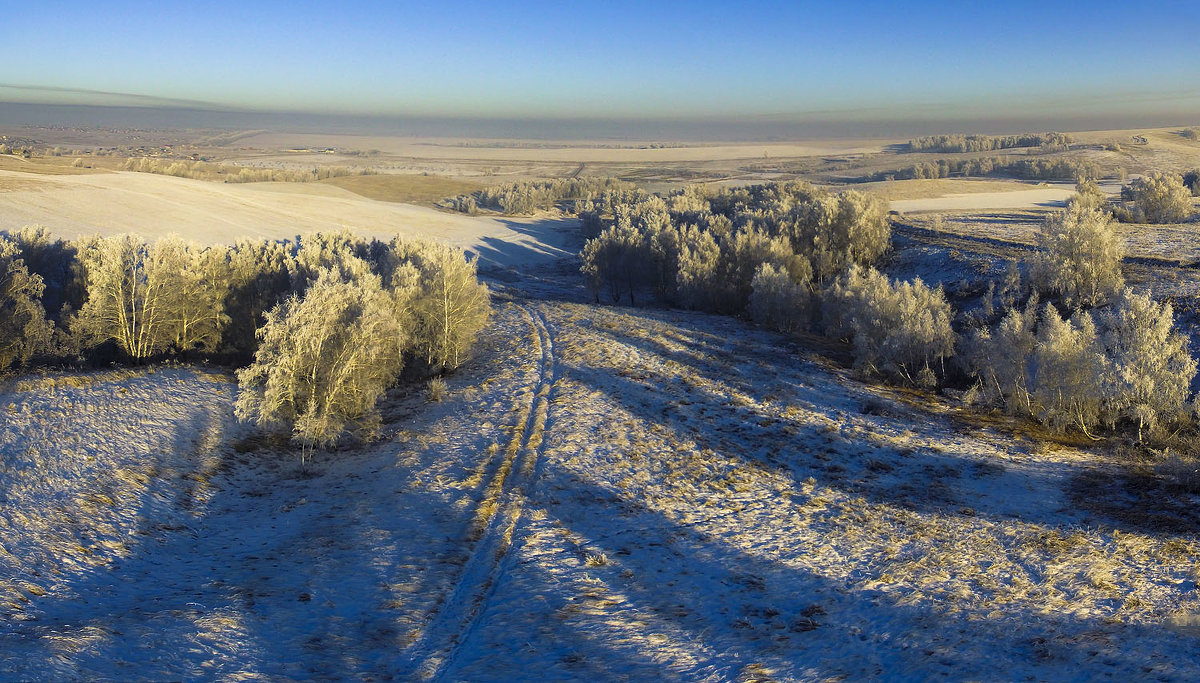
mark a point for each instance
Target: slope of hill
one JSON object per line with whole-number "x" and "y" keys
{"x": 604, "y": 493}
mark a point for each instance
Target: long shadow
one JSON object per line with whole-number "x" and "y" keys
{"x": 549, "y": 239}
{"x": 930, "y": 479}
{"x": 207, "y": 585}
{"x": 728, "y": 614}
{"x": 106, "y": 599}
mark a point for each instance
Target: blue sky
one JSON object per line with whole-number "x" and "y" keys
{"x": 613, "y": 59}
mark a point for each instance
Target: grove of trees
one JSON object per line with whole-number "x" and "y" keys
{"x": 1026, "y": 169}
{"x": 203, "y": 170}
{"x": 791, "y": 256}
{"x": 526, "y": 197}
{"x": 986, "y": 143}
{"x": 1156, "y": 198}
{"x": 1069, "y": 345}
{"x": 326, "y": 321}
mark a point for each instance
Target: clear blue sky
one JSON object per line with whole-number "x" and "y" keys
{"x": 619, "y": 59}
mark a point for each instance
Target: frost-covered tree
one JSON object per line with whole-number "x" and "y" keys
{"x": 1150, "y": 364}
{"x": 778, "y": 301}
{"x": 126, "y": 296}
{"x": 1070, "y": 376}
{"x": 617, "y": 261}
{"x": 260, "y": 277}
{"x": 1001, "y": 358}
{"x": 1157, "y": 198}
{"x": 742, "y": 255}
{"x": 24, "y": 329}
{"x": 323, "y": 361}
{"x": 1079, "y": 257}
{"x": 150, "y": 298}
{"x": 1119, "y": 363}
{"x": 339, "y": 250}
{"x": 900, "y": 329}
{"x": 54, "y": 260}
{"x": 449, "y": 303}
{"x": 1088, "y": 197}
{"x": 194, "y": 299}
{"x": 698, "y": 282}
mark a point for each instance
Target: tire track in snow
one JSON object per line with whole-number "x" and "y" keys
{"x": 495, "y": 523}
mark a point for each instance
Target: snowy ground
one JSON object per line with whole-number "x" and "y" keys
{"x": 604, "y": 494}
{"x": 155, "y": 205}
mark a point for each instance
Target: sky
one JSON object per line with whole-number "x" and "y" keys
{"x": 765, "y": 61}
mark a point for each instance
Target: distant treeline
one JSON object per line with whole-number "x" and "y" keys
{"x": 203, "y": 170}
{"x": 1027, "y": 169}
{"x": 535, "y": 195}
{"x": 986, "y": 143}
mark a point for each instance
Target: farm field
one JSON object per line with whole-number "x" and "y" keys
{"x": 207, "y": 212}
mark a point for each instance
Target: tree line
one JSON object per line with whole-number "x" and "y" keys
{"x": 986, "y": 143}
{"x": 203, "y": 170}
{"x": 323, "y": 323}
{"x": 526, "y": 197}
{"x": 1060, "y": 339}
{"x": 1026, "y": 169}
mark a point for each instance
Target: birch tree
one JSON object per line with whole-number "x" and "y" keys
{"x": 452, "y": 306}
{"x": 323, "y": 361}
{"x": 1079, "y": 257}
{"x": 126, "y": 296}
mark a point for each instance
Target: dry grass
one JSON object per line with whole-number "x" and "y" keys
{"x": 927, "y": 189}
{"x": 411, "y": 189}
{"x": 46, "y": 165}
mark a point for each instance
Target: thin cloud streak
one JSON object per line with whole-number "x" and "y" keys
{"x": 137, "y": 97}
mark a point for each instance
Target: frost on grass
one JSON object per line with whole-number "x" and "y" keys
{"x": 146, "y": 535}
{"x": 703, "y": 503}
{"x": 763, "y": 516}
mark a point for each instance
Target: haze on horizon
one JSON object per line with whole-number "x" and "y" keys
{"x": 774, "y": 68}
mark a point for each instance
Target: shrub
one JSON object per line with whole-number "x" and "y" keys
{"x": 1157, "y": 198}
{"x": 1079, "y": 256}
{"x": 900, "y": 329}
{"x": 435, "y": 391}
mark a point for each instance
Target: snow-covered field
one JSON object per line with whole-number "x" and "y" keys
{"x": 210, "y": 213}
{"x": 604, "y": 494}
